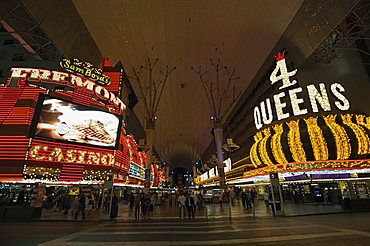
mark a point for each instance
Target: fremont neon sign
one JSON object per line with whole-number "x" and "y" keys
{"x": 319, "y": 100}
{"x": 39, "y": 76}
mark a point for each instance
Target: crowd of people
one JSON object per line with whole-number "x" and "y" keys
{"x": 62, "y": 201}
{"x": 143, "y": 204}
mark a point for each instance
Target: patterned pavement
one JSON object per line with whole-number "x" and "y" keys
{"x": 245, "y": 231}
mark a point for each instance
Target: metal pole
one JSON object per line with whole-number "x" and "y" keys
{"x": 281, "y": 200}
{"x": 110, "y": 202}
{"x": 273, "y": 200}
{"x": 218, "y": 132}
{"x": 150, "y": 128}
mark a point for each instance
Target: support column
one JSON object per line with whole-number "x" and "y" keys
{"x": 218, "y": 132}
{"x": 150, "y": 128}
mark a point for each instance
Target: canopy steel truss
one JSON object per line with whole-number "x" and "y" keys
{"x": 354, "y": 28}
{"x": 16, "y": 20}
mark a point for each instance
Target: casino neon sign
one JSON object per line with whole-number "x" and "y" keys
{"x": 318, "y": 97}
{"x": 45, "y": 153}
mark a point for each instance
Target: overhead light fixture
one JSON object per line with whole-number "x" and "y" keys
{"x": 230, "y": 146}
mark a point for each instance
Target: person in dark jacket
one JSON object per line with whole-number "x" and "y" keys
{"x": 190, "y": 205}
{"x": 81, "y": 206}
{"x": 244, "y": 199}
{"x": 131, "y": 200}
{"x": 67, "y": 204}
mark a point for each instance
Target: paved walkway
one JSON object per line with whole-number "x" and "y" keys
{"x": 210, "y": 211}
{"x": 337, "y": 229}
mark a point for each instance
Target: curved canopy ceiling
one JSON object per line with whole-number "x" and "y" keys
{"x": 184, "y": 34}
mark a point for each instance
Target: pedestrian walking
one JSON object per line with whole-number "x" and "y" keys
{"x": 248, "y": 200}
{"x": 346, "y": 200}
{"x": 131, "y": 200}
{"x": 196, "y": 202}
{"x": 146, "y": 205}
{"x": 244, "y": 199}
{"x": 137, "y": 202}
{"x": 81, "y": 206}
{"x": 181, "y": 200}
{"x": 67, "y": 204}
{"x": 232, "y": 197}
{"x": 190, "y": 205}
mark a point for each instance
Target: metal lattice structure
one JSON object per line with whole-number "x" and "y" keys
{"x": 21, "y": 25}
{"x": 354, "y": 28}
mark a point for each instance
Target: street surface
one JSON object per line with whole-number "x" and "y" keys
{"x": 335, "y": 229}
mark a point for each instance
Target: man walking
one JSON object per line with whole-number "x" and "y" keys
{"x": 181, "y": 200}
{"x": 346, "y": 200}
{"x": 190, "y": 206}
{"x": 81, "y": 206}
{"x": 137, "y": 201}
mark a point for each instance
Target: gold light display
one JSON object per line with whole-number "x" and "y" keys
{"x": 254, "y": 153}
{"x": 34, "y": 152}
{"x": 318, "y": 143}
{"x": 340, "y": 136}
{"x": 312, "y": 165}
{"x": 363, "y": 121}
{"x": 263, "y": 147}
{"x": 56, "y": 155}
{"x": 294, "y": 141}
{"x": 71, "y": 156}
{"x": 41, "y": 173}
{"x": 362, "y": 138}
{"x": 260, "y": 152}
{"x": 276, "y": 147}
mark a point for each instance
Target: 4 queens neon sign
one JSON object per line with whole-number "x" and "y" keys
{"x": 319, "y": 100}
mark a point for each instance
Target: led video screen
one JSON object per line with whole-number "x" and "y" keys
{"x": 59, "y": 120}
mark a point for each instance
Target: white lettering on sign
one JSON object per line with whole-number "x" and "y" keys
{"x": 343, "y": 103}
{"x": 322, "y": 98}
{"x": 318, "y": 97}
{"x": 279, "y": 105}
{"x": 35, "y": 76}
{"x": 296, "y": 101}
{"x": 284, "y": 74}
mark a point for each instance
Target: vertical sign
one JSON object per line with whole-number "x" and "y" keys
{"x": 277, "y": 198}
